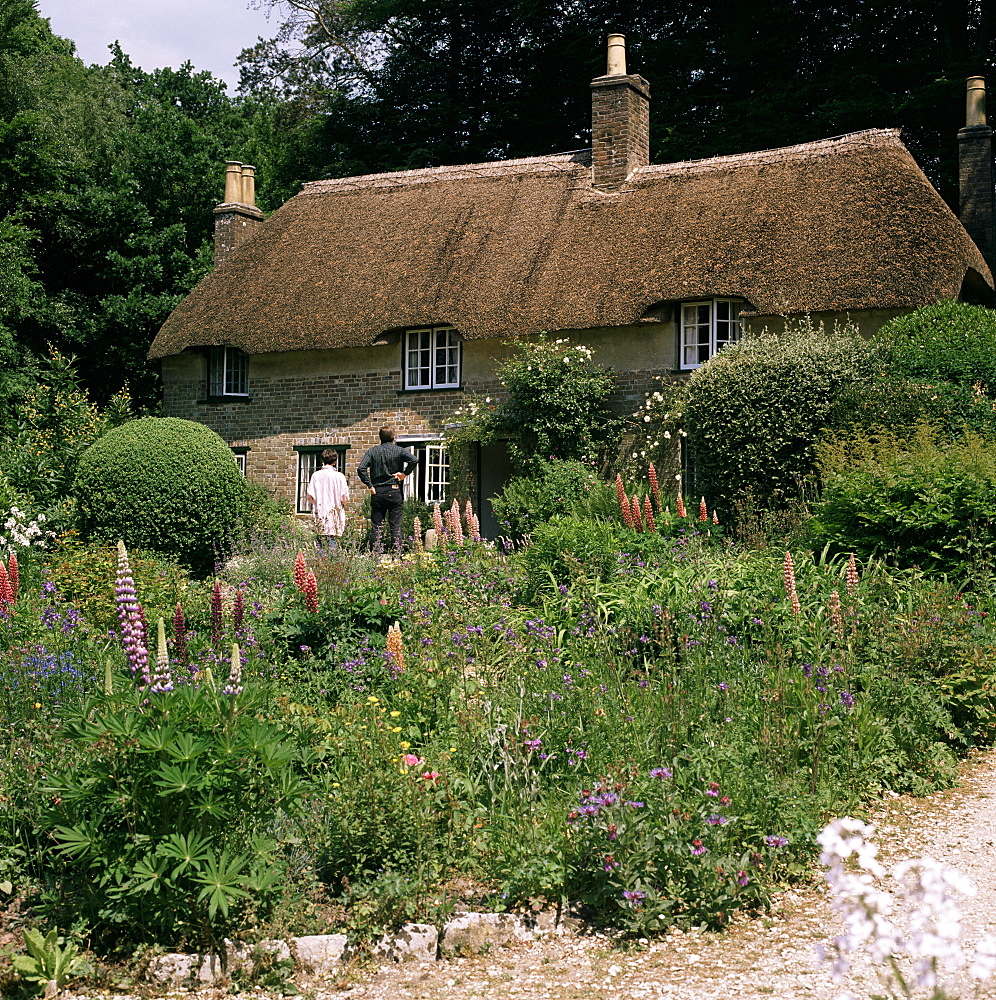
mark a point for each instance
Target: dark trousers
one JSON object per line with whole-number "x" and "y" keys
{"x": 386, "y": 502}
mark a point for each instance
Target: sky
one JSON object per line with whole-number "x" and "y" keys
{"x": 159, "y": 33}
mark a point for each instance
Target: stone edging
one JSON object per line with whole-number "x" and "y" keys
{"x": 323, "y": 954}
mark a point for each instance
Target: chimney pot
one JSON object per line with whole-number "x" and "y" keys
{"x": 975, "y": 101}
{"x": 233, "y": 183}
{"x": 617, "y": 56}
{"x": 237, "y": 217}
{"x": 248, "y": 185}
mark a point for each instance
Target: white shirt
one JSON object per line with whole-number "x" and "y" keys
{"x": 328, "y": 491}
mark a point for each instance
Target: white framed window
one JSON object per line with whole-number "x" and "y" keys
{"x": 707, "y": 327}
{"x": 228, "y": 372}
{"x": 309, "y": 461}
{"x": 432, "y": 358}
{"x": 240, "y": 458}
{"x": 430, "y": 481}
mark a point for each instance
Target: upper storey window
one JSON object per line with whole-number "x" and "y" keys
{"x": 432, "y": 358}
{"x": 228, "y": 372}
{"x": 707, "y": 327}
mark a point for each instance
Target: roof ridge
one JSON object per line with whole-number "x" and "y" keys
{"x": 864, "y": 138}
{"x": 550, "y": 163}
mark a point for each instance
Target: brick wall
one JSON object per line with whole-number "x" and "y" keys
{"x": 620, "y": 128}
{"x": 975, "y": 180}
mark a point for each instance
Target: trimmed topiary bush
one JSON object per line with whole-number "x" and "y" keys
{"x": 163, "y": 484}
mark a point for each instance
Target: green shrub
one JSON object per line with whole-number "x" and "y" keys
{"x": 84, "y": 575}
{"x": 553, "y": 487}
{"x": 164, "y": 484}
{"x": 949, "y": 341}
{"x": 162, "y": 823}
{"x": 755, "y": 412}
{"x": 558, "y": 404}
{"x": 919, "y": 500}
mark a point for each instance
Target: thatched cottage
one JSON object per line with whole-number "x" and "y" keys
{"x": 384, "y": 299}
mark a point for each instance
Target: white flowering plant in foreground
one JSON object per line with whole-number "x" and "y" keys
{"x": 908, "y": 915}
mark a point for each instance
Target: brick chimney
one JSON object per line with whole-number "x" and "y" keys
{"x": 237, "y": 217}
{"x": 620, "y": 120}
{"x": 975, "y": 172}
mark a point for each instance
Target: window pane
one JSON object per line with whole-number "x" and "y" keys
{"x": 696, "y": 333}
{"x": 216, "y": 371}
{"x": 727, "y": 323}
{"x": 419, "y": 359}
{"x": 437, "y": 473}
{"x": 240, "y": 461}
{"x": 236, "y": 372}
{"x": 307, "y": 464}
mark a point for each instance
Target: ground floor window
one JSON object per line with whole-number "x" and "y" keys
{"x": 240, "y": 458}
{"x": 309, "y": 461}
{"x": 431, "y": 480}
{"x": 707, "y": 327}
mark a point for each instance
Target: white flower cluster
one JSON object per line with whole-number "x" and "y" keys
{"x": 21, "y": 531}
{"x": 919, "y": 920}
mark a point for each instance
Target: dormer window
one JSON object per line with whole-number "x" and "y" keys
{"x": 707, "y": 327}
{"x": 228, "y": 372}
{"x": 432, "y": 358}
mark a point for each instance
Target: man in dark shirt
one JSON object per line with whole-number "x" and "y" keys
{"x": 383, "y": 470}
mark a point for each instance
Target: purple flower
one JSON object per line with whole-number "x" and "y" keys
{"x": 698, "y": 848}
{"x": 742, "y": 878}
{"x": 716, "y": 820}
{"x": 847, "y": 699}
{"x": 660, "y": 773}
{"x": 723, "y": 685}
{"x": 533, "y": 744}
{"x": 634, "y": 894}
{"x": 635, "y": 805}
{"x": 775, "y": 841}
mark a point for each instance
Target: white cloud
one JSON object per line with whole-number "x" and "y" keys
{"x": 208, "y": 33}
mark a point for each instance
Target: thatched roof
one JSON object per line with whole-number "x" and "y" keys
{"x": 519, "y": 246}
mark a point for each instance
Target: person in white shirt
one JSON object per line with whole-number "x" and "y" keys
{"x": 328, "y": 492}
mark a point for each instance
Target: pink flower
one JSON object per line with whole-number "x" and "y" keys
{"x": 430, "y": 775}
{"x": 410, "y": 760}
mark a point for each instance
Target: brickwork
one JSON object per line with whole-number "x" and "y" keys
{"x": 327, "y": 409}
{"x": 233, "y": 225}
{"x": 975, "y": 178}
{"x": 620, "y": 128}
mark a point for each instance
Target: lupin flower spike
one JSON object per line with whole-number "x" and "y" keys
{"x": 395, "y": 648}
{"x": 474, "y": 527}
{"x": 234, "y": 685}
{"x": 300, "y": 572}
{"x": 703, "y": 510}
{"x": 790, "y": 591}
{"x": 180, "y": 635}
{"x": 648, "y": 515}
{"x": 6, "y": 591}
{"x": 437, "y": 521}
{"x": 238, "y": 609}
{"x": 655, "y": 487}
{"x": 836, "y": 620}
{"x": 417, "y": 533}
{"x": 636, "y": 511}
{"x": 311, "y": 593}
{"x": 453, "y": 523}
{"x": 679, "y": 505}
{"x": 132, "y": 619}
{"x": 162, "y": 680}
{"x": 13, "y": 575}
{"x": 851, "y": 580}
{"x": 217, "y": 614}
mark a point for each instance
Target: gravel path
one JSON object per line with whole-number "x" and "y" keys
{"x": 763, "y": 957}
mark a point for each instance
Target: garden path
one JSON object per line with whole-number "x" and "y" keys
{"x": 763, "y": 957}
